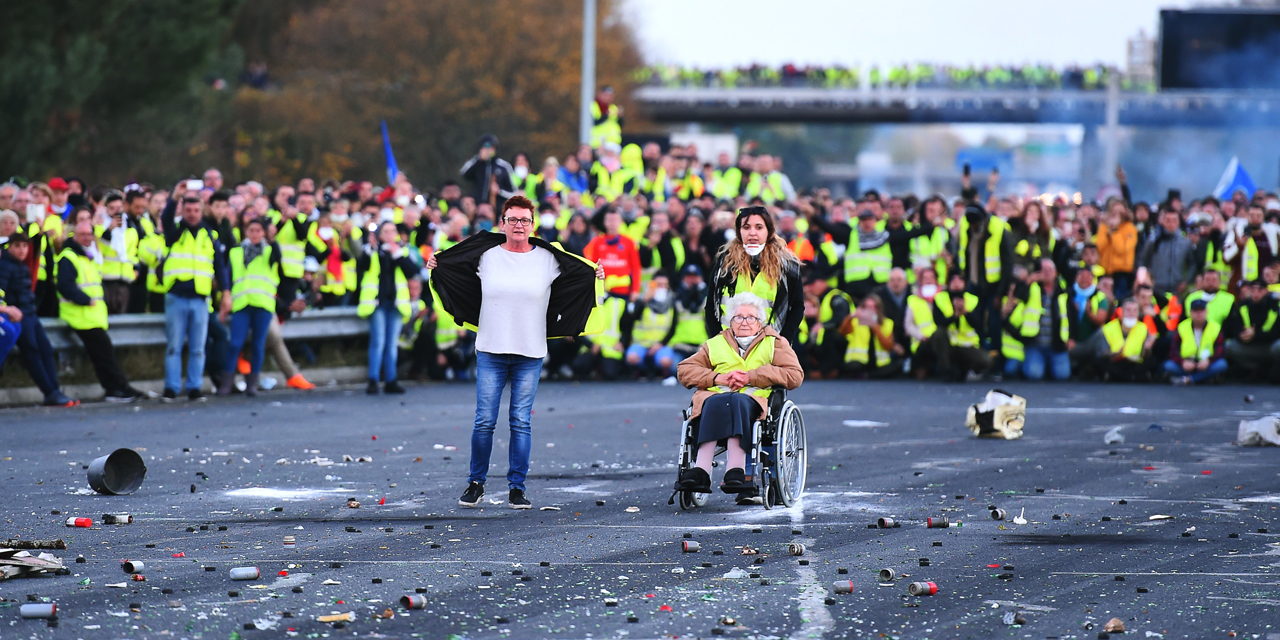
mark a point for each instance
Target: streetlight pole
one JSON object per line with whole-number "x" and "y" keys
{"x": 588, "y": 70}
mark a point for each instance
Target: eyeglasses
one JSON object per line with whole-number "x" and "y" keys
{"x": 742, "y": 319}
{"x": 520, "y": 222}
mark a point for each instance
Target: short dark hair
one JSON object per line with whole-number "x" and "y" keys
{"x": 19, "y": 237}
{"x": 220, "y": 196}
{"x": 517, "y": 202}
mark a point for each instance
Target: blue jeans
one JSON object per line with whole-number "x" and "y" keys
{"x": 384, "y": 332}
{"x": 185, "y": 320}
{"x": 1216, "y": 368}
{"x": 493, "y": 371}
{"x": 257, "y": 319}
{"x": 640, "y": 353}
{"x": 9, "y": 331}
{"x": 37, "y": 355}
{"x": 1037, "y": 357}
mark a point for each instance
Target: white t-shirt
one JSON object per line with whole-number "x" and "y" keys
{"x": 516, "y": 288}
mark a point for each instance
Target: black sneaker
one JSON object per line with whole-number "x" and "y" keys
{"x": 169, "y": 395}
{"x": 196, "y": 395}
{"x": 119, "y": 397}
{"x": 694, "y": 479}
{"x": 516, "y": 500}
{"x": 372, "y": 389}
{"x": 392, "y": 387}
{"x": 473, "y": 496}
{"x": 735, "y": 481}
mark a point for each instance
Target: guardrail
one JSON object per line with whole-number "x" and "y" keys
{"x": 147, "y": 329}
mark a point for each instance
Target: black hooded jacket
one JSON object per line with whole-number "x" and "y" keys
{"x": 456, "y": 280}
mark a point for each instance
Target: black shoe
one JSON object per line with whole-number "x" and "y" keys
{"x": 392, "y": 387}
{"x": 473, "y": 496}
{"x": 119, "y": 396}
{"x": 749, "y": 497}
{"x": 169, "y": 395}
{"x": 516, "y": 500}
{"x": 60, "y": 399}
{"x": 735, "y": 481}
{"x": 196, "y": 395}
{"x": 695, "y": 479}
{"x": 372, "y": 389}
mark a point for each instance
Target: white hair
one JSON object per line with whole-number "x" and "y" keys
{"x": 752, "y": 300}
{"x": 6, "y": 214}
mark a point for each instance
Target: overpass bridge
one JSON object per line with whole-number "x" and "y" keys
{"x": 716, "y": 105}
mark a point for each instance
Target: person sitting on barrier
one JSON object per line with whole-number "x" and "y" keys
{"x": 732, "y": 374}
{"x": 18, "y": 303}
{"x": 1196, "y": 354}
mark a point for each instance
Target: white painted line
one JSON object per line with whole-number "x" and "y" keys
{"x": 813, "y": 609}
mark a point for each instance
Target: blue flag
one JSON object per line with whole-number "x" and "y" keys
{"x": 392, "y": 169}
{"x": 1233, "y": 179}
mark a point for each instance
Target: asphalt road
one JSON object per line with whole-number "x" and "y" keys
{"x": 1088, "y": 553}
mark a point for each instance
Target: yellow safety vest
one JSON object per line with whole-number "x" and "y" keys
{"x": 859, "y": 264}
{"x": 1266, "y": 324}
{"x": 369, "y": 290}
{"x": 727, "y": 184}
{"x": 744, "y": 283}
{"x": 651, "y": 328}
{"x": 253, "y": 285}
{"x": 151, "y": 252}
{"x": 691, "y": 329}
{"x": 191, "y": 258}
{"x": 293, "y": 250}
{"x": 89, "y": 280}
{"x": 1219, "y": 307}
{"x": 1249, "y": 261}
{"x": 960, "y": 333}
{"x": 861, "y": 342}
{"x": 756, "y": 188}
{"x": 1203, "y": 349}
{"x": 1129, "y": 346}
{"x": 610, "y": 338}
{"x": 118, "y": 267}
{"x": 609, "y": 130}
{"x": 446, "y": 328}
{"x": 923, "y": 314}
{"x": 725, "y": 359}
{"x": 825, "y": 313}
{"x": 991, "y": 250}
{"x": 927, "y": 251}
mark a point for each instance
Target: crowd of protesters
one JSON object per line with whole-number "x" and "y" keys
{"x": 877, "y": 286}
{"x": 922, "y": 75}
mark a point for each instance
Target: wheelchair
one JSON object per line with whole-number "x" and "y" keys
{"x": 777, "y": 460}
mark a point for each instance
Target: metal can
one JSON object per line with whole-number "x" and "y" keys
{"x": 413, "y": 602}
{"x": 39, "y": 610}
{"x": 117, "y": 518}
{"x": 245, "y": 573}
{"x": 938, "y": 523}
{"x": 690, "y": 546}
{"x": 885, "y": 523}
{"x": 83, "y": 523}
{"x": 290, "y": 541}
{"x": 888, "y": 575}
{"x": 795, "y": 548}
{"x": 842, "y": 586}
{"x": 997, "y": 514}
{"x": 922, "y": 589}
{"x": 133, "y": 566}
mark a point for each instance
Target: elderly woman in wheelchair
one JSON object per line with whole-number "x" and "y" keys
{"x": 733, "y": 375}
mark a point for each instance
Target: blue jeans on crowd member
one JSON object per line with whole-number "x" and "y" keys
{"x": 665, "y": 353}
{"x": 384, "y": 332}
{"x": 185, "y": 320}
{"x": 37, "y": 355}
{"x": 493, "y": 372}
{"x": 1216, "y": 368}
{"x": 256, "y": 319}
{"x": 9, "y": 331}
{"x": 1038, "y": 359}
{"x": 218, "y": 343}
{"x": 990, "y": 330}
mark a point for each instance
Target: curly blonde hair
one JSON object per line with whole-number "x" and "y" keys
{"x": 733, "y": 255}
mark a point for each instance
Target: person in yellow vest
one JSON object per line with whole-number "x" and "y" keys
{"x": 606, "y": 119}
{"x": 450, "y": 346}
{"x": 756, "y": 260}
{"x": 384, "y": 301}
{"x": 661, "y": 250}
{"x": 765, "y": 183}
{"x": 605, "y": 351}
{"x": 118, "y": 241}
{"x": 827, "y": 344}
{"x": 194, "y": 270}
{"x": 1246, "y": 250}
{"x": 919, "y": 322}
{"x": 293, "y": 231}
{"x": 870, "y": 351}
{"x": 542, "y": 186}
{"x": 18, "y": 302}
{"x": 135, "y": 208}
{"x": 79, "y": 285}
{"x": 956, "y": 344}
{"x": 985, "y": 259}
{"x": 690, "y": 300}
{"x": 1253, "y": 344}
{"x": 1126, "y": 352}
{"x": 336, "y": 262}
{"x": 255, "y": 274}
{"x": 1196, "y": 354}
{"x": 652, "y": 325}
{"x": 931, "y": 249}
{"x": 1218, "y": 302}
{"x": 1038, "y": 333}
{"x": 732, "y": 375}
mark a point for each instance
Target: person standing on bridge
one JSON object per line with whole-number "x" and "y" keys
{"x": 515, "y": 291}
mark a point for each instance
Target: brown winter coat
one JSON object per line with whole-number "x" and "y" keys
{"x": 695, "y": 372}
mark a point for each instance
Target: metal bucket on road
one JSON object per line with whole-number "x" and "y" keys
{"x": 119, "y": 473}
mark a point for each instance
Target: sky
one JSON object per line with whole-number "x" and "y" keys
{"x": 717, "y": 33}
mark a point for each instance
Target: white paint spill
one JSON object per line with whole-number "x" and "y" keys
{"x": 586, "y": 488}
{"x": 864, "y": 423}
{"x": 1265, "y": 499}
{"x": 1018, "y": 605}
{"x": 1128, "y": 410}
{"x": 272, "y": 493}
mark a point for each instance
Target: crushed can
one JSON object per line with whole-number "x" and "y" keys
{"x": 117, "y": 518}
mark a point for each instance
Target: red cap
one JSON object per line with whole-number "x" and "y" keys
{"x": 58, "y": 184}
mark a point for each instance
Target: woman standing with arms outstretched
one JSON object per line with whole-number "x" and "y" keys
{"x": 757, "y": 261}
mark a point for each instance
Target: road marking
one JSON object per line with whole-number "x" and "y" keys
{"x": 813, "y": 609}
{"x": 1160, "y": 573}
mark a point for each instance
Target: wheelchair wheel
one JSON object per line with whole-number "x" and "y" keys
{"x": 766, "y": 489}
{"x": 793, "y": 457}
{"x": 690, "y": 500}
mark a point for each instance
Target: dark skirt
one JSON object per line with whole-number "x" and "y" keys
{"x": 727, "y": 415}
